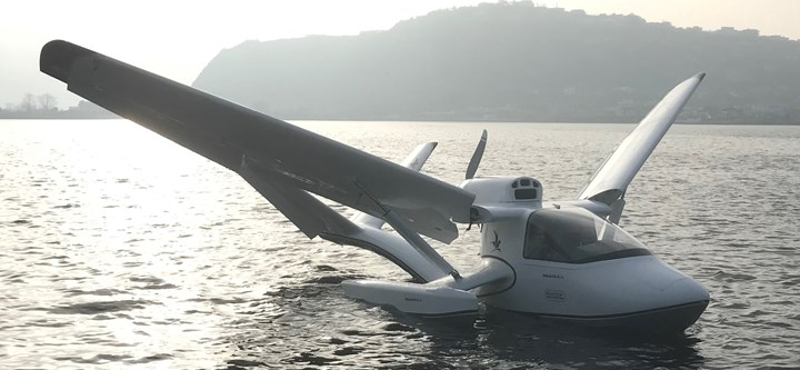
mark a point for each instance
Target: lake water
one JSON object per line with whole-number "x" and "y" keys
{"x": 122, "y": 250}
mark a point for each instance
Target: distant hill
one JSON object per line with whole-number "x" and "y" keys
{"x": 513, "y": 62}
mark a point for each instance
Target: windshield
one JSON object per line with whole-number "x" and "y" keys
{"x": 576, "y": 236}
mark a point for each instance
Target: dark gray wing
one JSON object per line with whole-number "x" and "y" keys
{"x": 228, "y": 133}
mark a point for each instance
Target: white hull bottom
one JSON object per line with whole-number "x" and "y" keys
{"x": 440, "y": 301}
{"x": 632, "y": 294}
{"x": 673, "y": 319}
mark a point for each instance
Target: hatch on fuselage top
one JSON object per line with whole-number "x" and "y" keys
{"x": 525, "y": 191}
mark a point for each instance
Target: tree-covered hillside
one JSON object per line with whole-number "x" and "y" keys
{"x": 517, "y": 62}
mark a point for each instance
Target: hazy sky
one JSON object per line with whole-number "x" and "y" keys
{"x": 178, "y": 38}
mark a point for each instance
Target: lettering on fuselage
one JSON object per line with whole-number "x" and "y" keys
{"x": 554, "y": 295}
{"x": 413, "y": 299}
{"x": 553, "y": 276}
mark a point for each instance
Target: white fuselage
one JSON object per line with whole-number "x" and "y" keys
{"x": 602, "y": 285}
{"x": 595, "y": 289}
{"x": 555, "y": 260}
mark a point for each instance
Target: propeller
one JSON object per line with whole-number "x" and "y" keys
{"x": 476, "y": 157}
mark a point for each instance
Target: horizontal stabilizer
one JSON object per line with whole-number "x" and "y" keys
{"x": 224, "y": 132}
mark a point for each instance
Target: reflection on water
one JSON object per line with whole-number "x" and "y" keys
{"x": 122, "y": 250}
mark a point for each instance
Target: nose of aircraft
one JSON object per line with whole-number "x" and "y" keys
{"x": 690, "y": 299}
{"x": 668, "y": 286}
{"x": 673, "y": 288}
{"x": 669, "y": 300}
{"x": 683, "y": 300}
{"x": 688, "y": 290}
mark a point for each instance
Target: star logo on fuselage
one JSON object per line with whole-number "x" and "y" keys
{"x": 496, "y": 242}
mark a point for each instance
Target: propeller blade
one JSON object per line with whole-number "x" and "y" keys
{"x": 476, "y": 156}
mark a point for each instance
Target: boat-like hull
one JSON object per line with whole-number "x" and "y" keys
{"x": 673, "y": 319}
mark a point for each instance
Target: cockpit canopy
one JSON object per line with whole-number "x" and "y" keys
{"x": 575, "y": 235}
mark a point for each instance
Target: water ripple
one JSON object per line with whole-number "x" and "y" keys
{"x": 162, "y": 259}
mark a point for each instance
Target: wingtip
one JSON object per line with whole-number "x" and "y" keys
{"x": 700, "y": 76}
{"x": 57, "y": 56}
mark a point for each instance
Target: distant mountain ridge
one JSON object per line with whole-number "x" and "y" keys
{"x": 513, "y": 62}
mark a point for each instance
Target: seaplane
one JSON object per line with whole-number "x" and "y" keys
{"x": 563, "y": 260}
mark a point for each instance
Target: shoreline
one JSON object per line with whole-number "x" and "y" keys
{"x": 108, "y": 115}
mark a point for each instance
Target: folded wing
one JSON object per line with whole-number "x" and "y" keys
{"x": 609, "y": 182}
{"x": 268, "y": 148}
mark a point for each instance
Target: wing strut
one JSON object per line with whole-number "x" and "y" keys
{"x": 412, "y": 237}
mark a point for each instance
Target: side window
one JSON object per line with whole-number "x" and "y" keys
{"x": 539, "y": 245}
